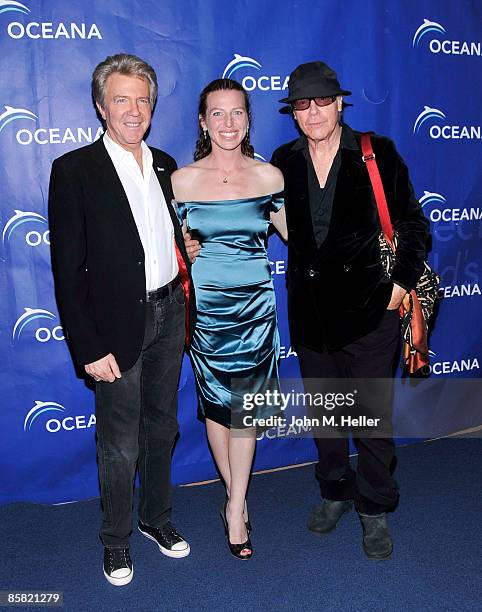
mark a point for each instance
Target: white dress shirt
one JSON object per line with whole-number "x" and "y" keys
{"x": 149, "y": 209}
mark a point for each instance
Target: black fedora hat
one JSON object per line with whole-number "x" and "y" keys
{"x": 313, "y": 80}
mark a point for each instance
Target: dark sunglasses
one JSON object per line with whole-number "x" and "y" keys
{"x": 304, "y": 103}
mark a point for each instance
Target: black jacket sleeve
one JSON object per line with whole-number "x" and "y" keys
{"x": 407, "y": 218}
{"x": 69, "y": 254}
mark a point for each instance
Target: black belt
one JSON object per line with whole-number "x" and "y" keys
{"x": 162, "y": 292}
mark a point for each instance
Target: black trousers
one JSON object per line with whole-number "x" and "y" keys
{"x": 137, "y": 425}
{"x": 372, "y": 356}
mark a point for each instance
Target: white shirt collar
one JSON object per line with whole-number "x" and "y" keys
{"x": 119, "y": 154}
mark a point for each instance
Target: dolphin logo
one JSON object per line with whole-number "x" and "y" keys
{"x": 20, "y": 218}
{"x": 431, "y": 197}
{"x": 427, "y": 26}
{"x": 427, "y": 113}
{"x": 432, "y": 353}
{"x": 7, "y": 6}
{"x": 380, "y": 100}
{"x": 239, "y": 61}
{"x": 12, "y": 114}
{"x": 38, "y": 409}
{"x": 30, "y": 314}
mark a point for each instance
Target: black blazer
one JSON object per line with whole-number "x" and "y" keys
{"x": 338, "y": 292}
{"x": 97, "y": 254}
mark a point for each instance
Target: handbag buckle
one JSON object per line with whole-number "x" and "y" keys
{"x": 369, "y": 157}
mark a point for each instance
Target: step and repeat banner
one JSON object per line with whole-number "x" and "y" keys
{"x": 414, "y": 70}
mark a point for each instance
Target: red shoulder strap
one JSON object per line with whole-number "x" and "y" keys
{"x": 377, "y": 185}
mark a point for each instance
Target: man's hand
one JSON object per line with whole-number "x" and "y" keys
{"x": 398, "y": 293}
{"x": 192, "y": 247}
{"x": 105, "y": 369}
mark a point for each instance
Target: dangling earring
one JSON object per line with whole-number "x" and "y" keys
{"x": 205, "y": 134}
{"x": 247, "y": 132}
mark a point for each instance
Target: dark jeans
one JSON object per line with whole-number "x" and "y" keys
{"x": 372, "y": 356}
{"x": 137, "y": 425}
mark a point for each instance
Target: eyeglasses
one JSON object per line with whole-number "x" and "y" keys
{"x": 304, "y": 103}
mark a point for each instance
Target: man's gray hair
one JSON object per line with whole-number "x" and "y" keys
{"x": 122, "y": 63}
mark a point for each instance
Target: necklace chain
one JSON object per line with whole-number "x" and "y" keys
{"x": 225, "y": 174}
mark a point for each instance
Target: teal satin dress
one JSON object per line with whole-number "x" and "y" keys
{"x": 235, "y": 345}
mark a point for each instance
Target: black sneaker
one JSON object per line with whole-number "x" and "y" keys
{"x": 170, "y": 542}
{"x": 118, "y": 568}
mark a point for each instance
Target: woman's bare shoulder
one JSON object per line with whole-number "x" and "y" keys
{"x": 269, "y": 176}
{"x": 186, "y": 172}
{"x": 183, "y": 179}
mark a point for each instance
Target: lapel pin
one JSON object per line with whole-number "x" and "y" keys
{"x": 160, "y": 169}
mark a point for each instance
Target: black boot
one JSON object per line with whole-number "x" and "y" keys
{"x": 377, "y": 541}
{"x": 325, "y": 518}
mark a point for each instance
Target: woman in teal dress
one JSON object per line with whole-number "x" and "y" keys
{"x": 227, "y": 200}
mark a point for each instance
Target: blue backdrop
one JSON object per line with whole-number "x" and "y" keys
{"x": 414, "y": 69}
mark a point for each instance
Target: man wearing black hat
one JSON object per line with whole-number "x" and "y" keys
{"x": 343, "y": 308}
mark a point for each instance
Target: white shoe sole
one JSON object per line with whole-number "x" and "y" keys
{"x": 174, "y": 554}
{"x": 119, "y": 581}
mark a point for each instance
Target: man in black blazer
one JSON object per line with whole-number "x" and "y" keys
{"x": 343, "y": 308}
{"x": 125, "y": 297}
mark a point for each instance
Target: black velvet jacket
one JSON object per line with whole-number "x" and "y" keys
{"x": 337, "y": 293}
